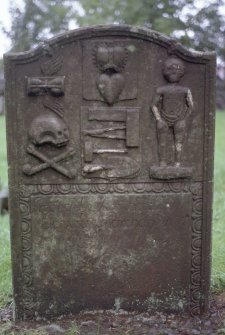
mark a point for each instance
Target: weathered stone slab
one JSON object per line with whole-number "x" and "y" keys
{"x": 110, "y": 146}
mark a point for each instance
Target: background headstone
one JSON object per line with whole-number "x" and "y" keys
{"x": 110, "y": 146}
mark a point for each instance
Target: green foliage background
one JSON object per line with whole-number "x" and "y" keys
{"x": 202, "y": 28}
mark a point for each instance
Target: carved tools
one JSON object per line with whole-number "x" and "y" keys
{"x": 103, "y": 133}
{"x": 91, "y": 168}
{"x": 89, "y": 151}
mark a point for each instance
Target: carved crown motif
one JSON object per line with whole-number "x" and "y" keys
{"x": 112, "y": 57}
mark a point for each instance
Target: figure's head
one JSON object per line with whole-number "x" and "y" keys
{"x": 173, "y": 69}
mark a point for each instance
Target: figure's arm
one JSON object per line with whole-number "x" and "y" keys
{"x": 155, "y": 108}
{"x": 190, "y": 103}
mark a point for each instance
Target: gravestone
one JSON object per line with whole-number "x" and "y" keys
{"x": 110, "y": 148}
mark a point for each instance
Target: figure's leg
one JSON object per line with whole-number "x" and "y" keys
{"x": 179, "y": 136}
{"x": 162, "y": 133}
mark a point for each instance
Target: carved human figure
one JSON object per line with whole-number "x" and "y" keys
{"x": 172, "y": 107}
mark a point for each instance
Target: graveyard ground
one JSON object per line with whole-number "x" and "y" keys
{"x": 122, "y": 323}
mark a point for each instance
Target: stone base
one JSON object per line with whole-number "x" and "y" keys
{"x": 170, "y": 172}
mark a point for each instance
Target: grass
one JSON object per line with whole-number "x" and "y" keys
{"x": 3, "y": 156}
{"x": 218, "y": 250}
{"x": 7, "y": 330}
{"x": 218, "y": 240}
{"x": 5, "y": 264}
{"x": 73, "y": 330}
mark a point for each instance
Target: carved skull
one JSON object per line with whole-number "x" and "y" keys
{"x": 111, "y": 57}
{"x": 48, "y": 129}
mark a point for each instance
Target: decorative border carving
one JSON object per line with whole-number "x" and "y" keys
{"x": 26, "y": 245}
{"x": 177, "y": 187}
{"x": 196, "y": 249}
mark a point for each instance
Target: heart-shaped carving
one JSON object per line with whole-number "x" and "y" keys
{"x": 110, "y": 86}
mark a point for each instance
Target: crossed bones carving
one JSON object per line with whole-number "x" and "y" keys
{"x": 49, "y": 162}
